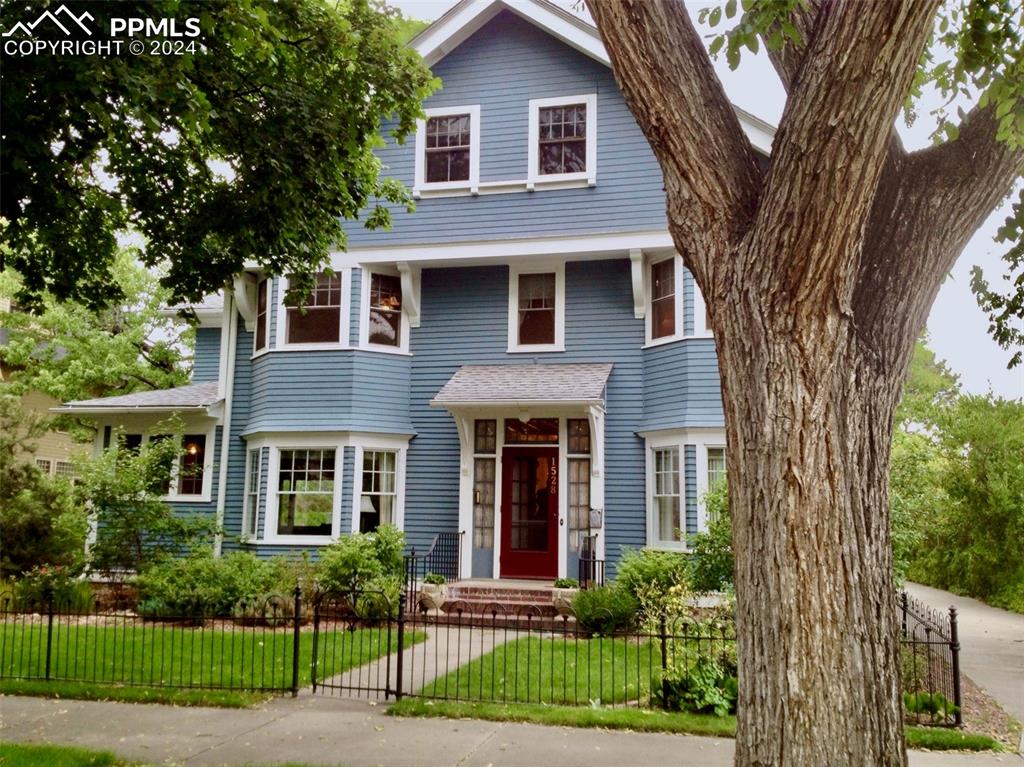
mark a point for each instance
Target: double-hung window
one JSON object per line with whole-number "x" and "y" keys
{"x": 190, "y": 466}
{"x": 252, "y": 491}
{"x": 448, "y": 150}
{"x": 663, "y": 298}
{"x": 563, "y": 141}
{"x": 385, "y": 310}
{"x": 262, "y": 314}
{"x": 377, "y": 504}
{"x": 319, "y": 319}
{"x": 537, "y": 309}
{"x": 666, "y": 497}
{"x": 305, "y": 492}
{"x": 187, "y": 478}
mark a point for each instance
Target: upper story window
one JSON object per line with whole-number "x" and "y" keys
{"x": 663, "y": 298}
{"x": 262, "y": 314}
{"x": 563, "y": 141}
{"x": 448, "y": 150}
{"x": 537, "y": 310}
{"x": 385, "y": 310}
{"x": 319, "y": 321}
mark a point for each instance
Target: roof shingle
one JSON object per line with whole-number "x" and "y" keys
{"x": 191, "y": 396}
{"x": 570, "y": 382}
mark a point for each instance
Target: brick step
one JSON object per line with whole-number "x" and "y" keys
{"x": 550, "y": 622}
{"x": 477, "y": 594}
{"x": 502, "y": 607}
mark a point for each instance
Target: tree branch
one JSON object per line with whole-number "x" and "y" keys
{"x": 835, "y": 133}
{"x": 712, "y": 180}
{"x": 926, "y": 211}
{"x": 790, "y": 58}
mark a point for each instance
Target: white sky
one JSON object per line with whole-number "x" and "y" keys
{"x": 957, "y": 327}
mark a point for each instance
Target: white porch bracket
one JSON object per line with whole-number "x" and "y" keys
{"x": 636, "y": 259}
{"x": 245, "y": 298}
{"x": 410, "y": 276}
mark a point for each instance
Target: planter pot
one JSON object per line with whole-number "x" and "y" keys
{"x": 562, "y": 600}
{"x": 433, "y": 596}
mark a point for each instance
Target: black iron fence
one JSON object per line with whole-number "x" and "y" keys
{"x": 348, "y": 644}
{"x": 930, "y": 663}
{"x": 444, "y": 557}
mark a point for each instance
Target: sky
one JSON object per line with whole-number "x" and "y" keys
{"x": 957, "y": 328}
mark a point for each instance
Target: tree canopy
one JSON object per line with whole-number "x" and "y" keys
{"x": 252, "y": 149}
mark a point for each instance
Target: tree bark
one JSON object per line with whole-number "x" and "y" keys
{"x": 818, "y": 276}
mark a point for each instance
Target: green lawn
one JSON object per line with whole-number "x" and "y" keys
{"x": 172, "y": 696}
{"x": 649, "y": 720}
{"x": 555, "y": 671}
{"x": 20, "y": 755}
{"x": 160, "y": 655}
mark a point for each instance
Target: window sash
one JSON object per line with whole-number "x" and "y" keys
{"x": 379, "y": 494}
{"x": 562, "y": 139}
{"x": 663, "y": 299}
{"x": 385, "y": 310}
{"x": 252, "y": 491}
{"x": 579, "y": 501}
{"x": 716, "y": 467}
{"x": 261, "y": 314}
{"x": 447, "y": 148}
{"x": 319, "y": 321}
{"x": 666, "y": 498}
{"x": 305, "y": 488}
{"x": 192, "y": 464}
{"x": 537, "y": 300}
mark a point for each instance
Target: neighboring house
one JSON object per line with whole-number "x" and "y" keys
{"x": 524, "y": 359}
{"x": 55, "y": 451}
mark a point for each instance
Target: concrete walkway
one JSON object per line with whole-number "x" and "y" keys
{"x": 315, "y": 730}
{"x": 992, "y": 642}
{"x": 444, "y": 650}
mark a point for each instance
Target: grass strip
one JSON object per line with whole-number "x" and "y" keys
{"x": 652, "y": 720}
{"x": 105, "y": 692}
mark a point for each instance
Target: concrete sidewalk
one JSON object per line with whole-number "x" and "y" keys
{"x": 992, "y": 642}
{"x": 356, "y": 734}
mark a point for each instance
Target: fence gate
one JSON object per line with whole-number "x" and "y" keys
{"x": 354, "y": 652}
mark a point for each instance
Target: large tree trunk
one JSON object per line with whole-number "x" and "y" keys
{"x": 818, "y": 276}
{"x": 809, "y": 435}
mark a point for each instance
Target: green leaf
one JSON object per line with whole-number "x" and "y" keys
{"x": 716, "y": 45}
{"x": 714, "y": 17}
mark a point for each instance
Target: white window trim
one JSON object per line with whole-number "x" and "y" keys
{"x": 210, "y": 432}
{"x": 679, "y": 298}
{"x": 534, "y": 178}
{"x": 313, "y": 442}
{"x": 702, "y": 440}
{"x": 364, "y": 314}
{"x": 397, "y": 445}
{"x": 281, "y": 337}
{"x": 700, "y": 326}
{"x": 514, "y": 272}
{"x": 421, "y": 187}
{"x": 270, "y": 304}
{"x": 249, "y": 513}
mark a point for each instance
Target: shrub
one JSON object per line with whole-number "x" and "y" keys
{"x": 711, "y": 564}
{"x": 650, "y": 570}
{"x": 380, "y": 598}
{"x": 605, "y": 610}
{"x": 355, "y": 561}
{"x": 45, "y": 584}
{"x": 567, "y": 583}
{"x": 703, "y": 687}
{"x": 434, "y": 579}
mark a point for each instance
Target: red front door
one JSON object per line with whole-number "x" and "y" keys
{"x": 529, "y": 512}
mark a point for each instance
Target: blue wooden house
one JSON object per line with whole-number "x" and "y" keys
{"x": 523, "y": 361}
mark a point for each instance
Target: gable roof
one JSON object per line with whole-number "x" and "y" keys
{"x": 525, "y": 383}
{"x": 468, "y": 16}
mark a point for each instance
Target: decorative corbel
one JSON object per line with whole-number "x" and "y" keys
{"x": 410, "y": 276}
{"x": 636, "y": 259}
{"x": 245, "y": 298}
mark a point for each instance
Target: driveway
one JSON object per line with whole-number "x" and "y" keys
{"x": 991, "y": 642}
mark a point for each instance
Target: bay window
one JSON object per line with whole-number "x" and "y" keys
{"x": 319, "y": 320}
{"x": 305, "y": 492}
{"x": 385, "y": 310}
{"x": 379, "y": 490}
{"x": 667, "y": 502}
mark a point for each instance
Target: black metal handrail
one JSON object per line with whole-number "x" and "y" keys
{"x": 444, "y": 557}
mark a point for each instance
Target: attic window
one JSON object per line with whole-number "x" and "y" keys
{"x": 563, "y": 141}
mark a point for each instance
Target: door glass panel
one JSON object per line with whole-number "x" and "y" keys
{"x": 533, "y": 487}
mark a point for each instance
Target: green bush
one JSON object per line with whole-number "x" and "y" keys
{"x": 704, "y": 687}
{"x": 646, "y": 570}
{"x": 355, "y": 561}
{"x": 380, "y": 597}
{"x": 434, "y": 579}
{"x": 566, "y": 583}
{"x": 44, "y": 585}
{"x": 711, "y": 563}
{"x": 605, "y": 610}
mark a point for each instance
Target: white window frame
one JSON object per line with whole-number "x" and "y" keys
{"x": 281, "y": 340}
{"x": 702, "y": 439}
{"x": 422, "y": 188}
{"x": 270, "y": 304}
{"x": 49, "y": 465}
{"x": 534, "y": 178}
{"x": 679, "y": 299}
{"x": 364, "y": 313}
{"x": 376, "y": 443}
{"x": 271, "y": 504}
{"x": 514, "y": 272}
{"x": 250, "y": 513}
{"x": 210, "y": 432}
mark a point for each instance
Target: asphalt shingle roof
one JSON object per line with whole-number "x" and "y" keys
{"x": 194, "y": 395}
{"x": 571, "y": 382}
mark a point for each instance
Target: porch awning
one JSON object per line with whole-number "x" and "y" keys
{"x": 554, "y": 384}
{"x": 195, "y": 397}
